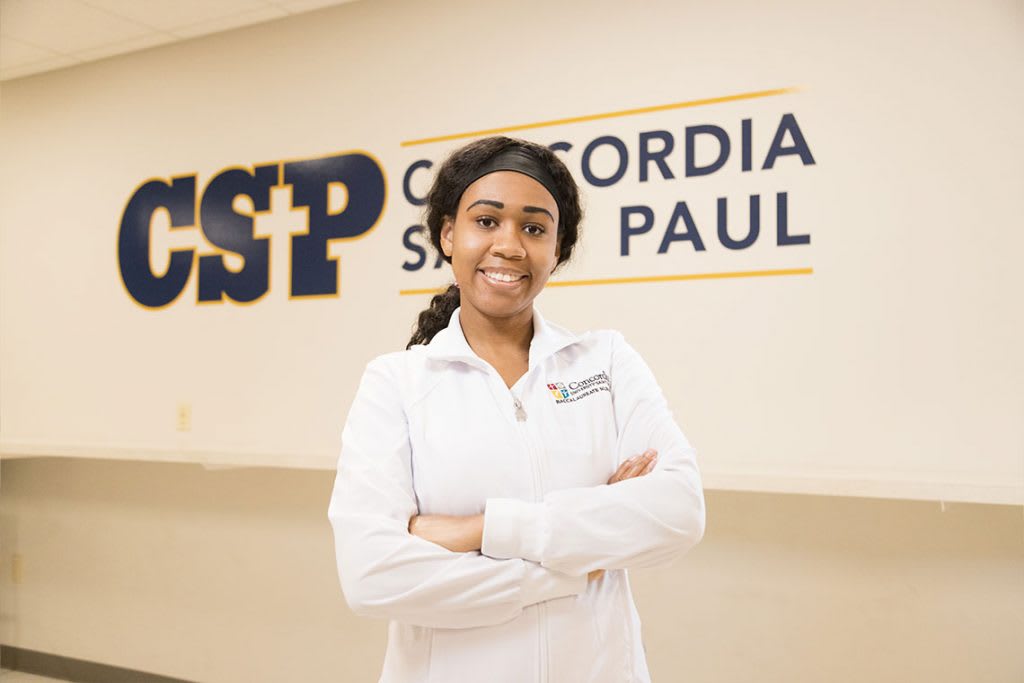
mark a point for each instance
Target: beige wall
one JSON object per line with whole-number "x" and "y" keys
{"x": 228, "y": 575}
{"x": 904, "y": 340}
{"x": 904, "y": 343}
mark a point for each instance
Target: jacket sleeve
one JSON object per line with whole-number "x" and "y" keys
{"x": 387, "y": 572}
{"x": 640, "y": 522}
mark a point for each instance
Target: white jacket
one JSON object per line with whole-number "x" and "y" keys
{"x": 435, "y": 430}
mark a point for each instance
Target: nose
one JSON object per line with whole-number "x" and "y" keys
{"x": 507, "y": 242}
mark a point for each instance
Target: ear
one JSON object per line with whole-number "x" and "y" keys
{"x": 446, "y": 236}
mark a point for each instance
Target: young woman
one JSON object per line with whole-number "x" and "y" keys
{"x": 499, "y": 477}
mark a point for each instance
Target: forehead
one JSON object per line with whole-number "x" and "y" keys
{"x": 513, "y": 189}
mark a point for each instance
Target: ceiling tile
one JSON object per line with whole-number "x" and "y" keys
{"x": 297, "y": 6}
{"x": 234, "y": 21}
{"x": 140, "y": 43}
{"x": 165, "y": 15}
{"x": 64, "y": 26}
{"x": 13, "y": 52}
{"x": 36, "y": 35}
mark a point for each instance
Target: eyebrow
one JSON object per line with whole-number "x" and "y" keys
{"x": 489, "y": 202}
{"x": 538, "y": 209}
{"x": 501, "y": 205}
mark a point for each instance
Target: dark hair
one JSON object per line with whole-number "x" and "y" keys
{"x": 443, "y": 201}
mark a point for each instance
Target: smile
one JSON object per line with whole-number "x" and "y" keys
{"x": 503, "y": 278}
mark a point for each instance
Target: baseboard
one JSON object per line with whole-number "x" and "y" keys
{"x": 75, "y": 670}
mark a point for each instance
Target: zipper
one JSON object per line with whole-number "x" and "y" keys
{"x": 536, "y": 467}
{"x": 520, "y": 413}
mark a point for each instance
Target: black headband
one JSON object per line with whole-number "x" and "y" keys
{"x": 515, "y": 159}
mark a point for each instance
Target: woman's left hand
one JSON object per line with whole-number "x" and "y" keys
{"x": 458, "y": 534}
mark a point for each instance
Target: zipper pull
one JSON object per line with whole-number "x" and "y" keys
{"x": 520, "y": 413}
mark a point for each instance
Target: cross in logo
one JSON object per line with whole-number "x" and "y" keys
{"x": 558, "y": 390}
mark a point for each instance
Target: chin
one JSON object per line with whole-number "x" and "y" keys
{"x": 493, "y": 307}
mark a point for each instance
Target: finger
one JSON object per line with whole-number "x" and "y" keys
{"x": 621, "y": 471}
{"x": 651, "y": 462}
{"x": 632, "y": 467}
{"x": 640, "y": 464}
{"x": 628, "y": 468}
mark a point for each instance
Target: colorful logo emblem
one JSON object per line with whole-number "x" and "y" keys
{"x": 558, "y": 390}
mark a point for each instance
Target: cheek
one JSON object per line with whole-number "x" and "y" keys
{"x": 554, "y": 253}
{"x": 465, "y": 254}
{"x": 546, "y": 261}
{"x": 464, "y": 239}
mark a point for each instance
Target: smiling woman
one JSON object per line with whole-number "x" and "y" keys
{"x": 552, "y": 204}
{"x": 499, "y": 477}
{"x": 502, "y": 252}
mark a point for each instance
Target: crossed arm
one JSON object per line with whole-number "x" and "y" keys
{"x": 396, "y": 564}
{"x": 462, "y": 534}
{"x": 641, "y": 521}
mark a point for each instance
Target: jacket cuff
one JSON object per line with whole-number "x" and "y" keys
{"x": 541, "y": 583}
{"x": 513, "y": 528}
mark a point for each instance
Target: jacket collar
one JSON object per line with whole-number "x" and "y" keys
{"x": 450, "y": 343}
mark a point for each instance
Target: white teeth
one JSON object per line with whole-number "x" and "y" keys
{"x": 502, "y": 277}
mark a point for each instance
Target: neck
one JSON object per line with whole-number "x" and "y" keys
{"x": 490, "y": 337}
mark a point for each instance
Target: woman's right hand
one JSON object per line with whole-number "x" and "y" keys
{"x": 636, "y": 466}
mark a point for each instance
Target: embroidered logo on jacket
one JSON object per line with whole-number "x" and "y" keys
{"x": 558, "y": 390}
{"x": 567, "y": 392}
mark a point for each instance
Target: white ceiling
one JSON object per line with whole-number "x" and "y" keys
{"x": 41, "y": 35}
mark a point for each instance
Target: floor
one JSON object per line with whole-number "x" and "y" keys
{"x": 8, "y": 676}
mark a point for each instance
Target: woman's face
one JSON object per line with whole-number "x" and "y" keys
{"x": 503, "y": 243}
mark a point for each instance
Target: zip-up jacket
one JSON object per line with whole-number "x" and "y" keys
{"x": 435, "y": 430}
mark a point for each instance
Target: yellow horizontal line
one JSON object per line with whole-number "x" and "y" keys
{"x": 605, "y": 115}
{"x": 687, "y": 276}
{"x": 429, "y": 290}
{"x": 646, "y": 278}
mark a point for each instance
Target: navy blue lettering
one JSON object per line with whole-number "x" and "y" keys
{"x": 560, "y": 146}
{"x": 626, "y": 230}
{"x": 232, "y": 231}
{"x": 658, "y": 157}
{"x": 619, "y": 146}
{"x": 133, "y": 240}
{"x": 407, "y": 189}
{"x": 782, "y": 223}
{"x": 313, "y": 273}
{"x": 755, "y": 224}
{"x": 681, "y": 212}
{"x": 407, "y": 242}
{"x": 692, "y": 169}
{"x": 745, "y": 143}
{"x": 789, "y": 125}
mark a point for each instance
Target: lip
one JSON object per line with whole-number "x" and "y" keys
{"x": 504, "y": 271}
